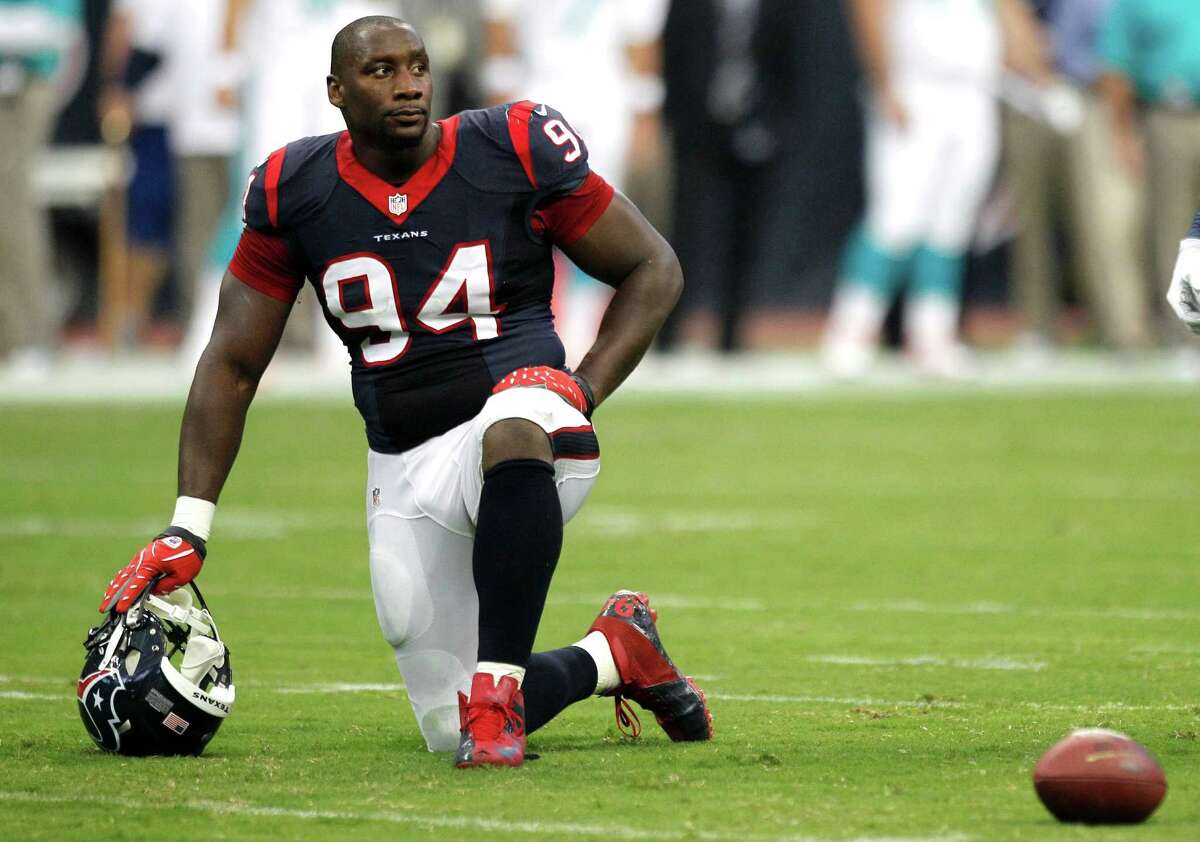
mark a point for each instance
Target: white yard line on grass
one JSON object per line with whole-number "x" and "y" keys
{"x": 616, "y": 521}
{"x": 667, "y": 600}
{"x": 929, "y": 661}
{"x": 313, "y": 595}
{"x": 594, "y": 600}
{"x": 1107, "y": 707}
{"x": 41, "y": 697}
{"x": 272, "y": 525}
{"x": 67, "y": 695}
{"x": 904, "y": 606}
{"x": 347, "y": 687}
{"x": 243, "y": 525}
{"x": 455, "y": 822}
{"x": 828, "y": 700}
{"x": 1167, "y": 649}
{"x": 338, "y": 688}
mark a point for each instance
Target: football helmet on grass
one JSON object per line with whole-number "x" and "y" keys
{"x": 133, "y": 700}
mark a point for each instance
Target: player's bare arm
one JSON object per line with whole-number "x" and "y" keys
{"x": 870, "y": 21}
{"x": 625, "y": 251}
{"x": 245, "y": 336}
{"x": 1025, "y": 49}
{"x": 1121, "y": 99}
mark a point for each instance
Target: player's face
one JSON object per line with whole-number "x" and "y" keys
{"x": 387, "y": 92}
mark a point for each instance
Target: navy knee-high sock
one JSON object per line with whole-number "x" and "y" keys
{"x": 518, "y": 536}
{"x": 554, "y": 680}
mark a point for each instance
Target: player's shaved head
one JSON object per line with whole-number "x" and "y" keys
{"x": 379, "y": 79}
{"x": 350, "y": 44}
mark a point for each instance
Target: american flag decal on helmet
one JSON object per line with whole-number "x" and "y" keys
{"x": 176, "y": 723}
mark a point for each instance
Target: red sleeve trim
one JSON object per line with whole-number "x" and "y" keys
{"x": 271, "y": 184}
{"x": 266, "y": 264}
{"x": 518, "y": 130}
{"x": 568, "y": 218}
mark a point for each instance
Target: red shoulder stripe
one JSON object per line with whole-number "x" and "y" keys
{"x": 271, "y": 184}
{"x": 518, "y": 130}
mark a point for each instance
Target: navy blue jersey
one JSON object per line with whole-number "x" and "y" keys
{"x": 441, "y": 285}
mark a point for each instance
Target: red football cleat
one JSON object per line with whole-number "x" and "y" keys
{"x": 492, "y": 723}
{"x": 648, "y": 676}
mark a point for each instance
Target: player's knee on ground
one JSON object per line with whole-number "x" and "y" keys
{"x": 432, "y": 680}
{"x": 515, "y": 438}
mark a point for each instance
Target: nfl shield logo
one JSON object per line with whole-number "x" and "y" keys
{"x": 398, "y": 203}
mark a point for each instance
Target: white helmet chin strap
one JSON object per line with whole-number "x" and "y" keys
{"x": 202, "y": 654}
{"x": 177, "y": 608}
{"x": 204, "y": 651}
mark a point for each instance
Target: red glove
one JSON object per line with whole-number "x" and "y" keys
{"x": 175, "y": 556}
{"x": 571, "y": 388}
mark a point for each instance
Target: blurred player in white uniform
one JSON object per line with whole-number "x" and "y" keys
{"x": 204, "y": 132}
{"x": 934, "y": 68}
{"x": 1184, "y": 292}
{"x": 282, "y": 47}
{"x": 599, "y": 62}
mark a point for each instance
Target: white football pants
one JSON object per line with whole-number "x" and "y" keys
{"x": 421, "y": 512}
{"x": 926, "y": 182}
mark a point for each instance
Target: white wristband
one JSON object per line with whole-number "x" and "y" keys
{"x": 194, "y": 515}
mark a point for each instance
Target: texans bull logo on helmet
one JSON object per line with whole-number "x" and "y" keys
{"x": 133, "y": 700}
{"x": 97, "y": 706}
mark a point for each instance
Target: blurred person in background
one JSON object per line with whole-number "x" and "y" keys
{"x": 203, "y": 74}
{"x": 934, "y": 69}
{"x": 1150, "y": 51}
{"x": 37, "y": 38}
{"x": 1184, "y": 293}
{"x": 1064, "y": 174}
{"x": 453, "y": 31}
{"x": 136, "y": 105}
{"x": 599, "y": 61}
{"x": 722, "y": 145}
{"x": 282, "y": 56}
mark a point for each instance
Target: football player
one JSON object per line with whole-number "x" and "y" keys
{"x": 429, "y": 246}
{"x": 932, "y": 143}
{"x": 1184, "y": 293}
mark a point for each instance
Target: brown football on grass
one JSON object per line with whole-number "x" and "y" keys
{"x": 1096, "y": 776}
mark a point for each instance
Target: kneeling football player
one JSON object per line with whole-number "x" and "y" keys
{"x": 429, "y": 245}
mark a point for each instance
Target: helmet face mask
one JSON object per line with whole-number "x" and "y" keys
{"x": 133, "y": 700}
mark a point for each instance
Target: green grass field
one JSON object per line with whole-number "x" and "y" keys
{"x": 895, "y": 603}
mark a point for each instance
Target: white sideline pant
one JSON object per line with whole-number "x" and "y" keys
{"x": 926, "y": 182}
{"x": 421, "y": 513}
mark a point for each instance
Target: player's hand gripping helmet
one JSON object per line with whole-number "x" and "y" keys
{"x": 133, "y": 700}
